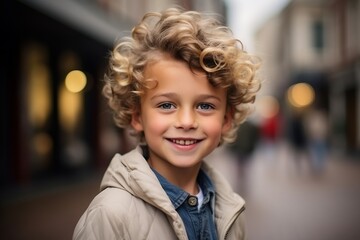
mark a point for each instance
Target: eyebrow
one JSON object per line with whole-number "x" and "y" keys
{"x": 175, "y": 95}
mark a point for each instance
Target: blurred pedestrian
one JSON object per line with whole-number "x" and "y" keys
{"x": 270, "y": 128}
{"x": 182, "y": 82}
{"x": 316, "y": 126}
{"x": 297, "y": 138}
{"x": 270, "y": 131}
{"x": 242, "y": 150}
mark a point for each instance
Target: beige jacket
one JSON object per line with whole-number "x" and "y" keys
{"x": 133, "y": 205}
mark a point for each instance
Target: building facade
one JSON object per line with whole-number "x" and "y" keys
{"x": 317, "y": 42}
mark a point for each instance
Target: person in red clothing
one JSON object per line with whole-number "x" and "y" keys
{"x": 270, "y": 128}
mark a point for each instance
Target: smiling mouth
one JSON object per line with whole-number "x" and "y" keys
{"x": 184, "y": 142}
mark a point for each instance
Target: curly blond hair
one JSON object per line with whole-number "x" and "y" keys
{"x": 198, "y": 39}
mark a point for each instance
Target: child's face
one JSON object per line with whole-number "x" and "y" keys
{"x": 183, "y": 117}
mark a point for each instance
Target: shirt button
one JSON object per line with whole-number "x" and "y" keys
{"x": 192, "y": 201}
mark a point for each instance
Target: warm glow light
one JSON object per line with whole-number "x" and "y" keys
{"x": 268, "y": 106}
{"x": 301, "y": 95}
{"x": 70, "y": 107}
{"x": 75, "y": 81}
{"x": 39, "y": 95}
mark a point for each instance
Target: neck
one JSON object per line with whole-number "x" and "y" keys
{"x": 184, "y": 178}
{"x": 186, "y": 181}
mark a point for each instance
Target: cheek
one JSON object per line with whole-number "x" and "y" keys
{"x": 213, "y": 128}
{"x": 156, "y": 124}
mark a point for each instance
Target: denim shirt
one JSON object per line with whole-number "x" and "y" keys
{"x": 199, "y": 223}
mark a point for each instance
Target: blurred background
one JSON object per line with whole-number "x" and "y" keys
{"x": 297, "y": 158}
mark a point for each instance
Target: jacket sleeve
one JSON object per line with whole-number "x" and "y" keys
{"x": 243, "y": 228}
{"x": 238, "y": 231}
{"x": 99, "y": 223}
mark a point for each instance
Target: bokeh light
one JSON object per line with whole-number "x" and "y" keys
{"x": 301, "y": 95}
{"x": 75, "y": 81}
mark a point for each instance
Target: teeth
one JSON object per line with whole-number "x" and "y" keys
{"x": 184, "y": 142}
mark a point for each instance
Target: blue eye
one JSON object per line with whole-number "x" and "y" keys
{"x": 166, "y": 106}
{"x": 205, "y": 106}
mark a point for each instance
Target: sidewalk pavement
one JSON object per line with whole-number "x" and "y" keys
{"x": 51, "y": 214}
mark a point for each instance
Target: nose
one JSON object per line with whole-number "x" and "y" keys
{"x": 186, "y": 119}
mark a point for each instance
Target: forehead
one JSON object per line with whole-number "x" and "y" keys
{"x": 169, "y": 74}
{"x": 155, "y": 58}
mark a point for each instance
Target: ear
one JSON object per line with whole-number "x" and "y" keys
{"x": 136, "y": 121}
{"x": 228, "y": 119}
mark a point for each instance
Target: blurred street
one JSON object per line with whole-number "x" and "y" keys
{"x": 285, "y": 200}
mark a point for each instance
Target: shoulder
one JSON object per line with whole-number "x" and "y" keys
{"x": 111, "y": 199}
{"x": 106, "y": 210}
{"x": 120, "y": 205}
{"x": 112, "y": 214}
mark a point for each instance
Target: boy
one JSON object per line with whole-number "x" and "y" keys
{"x": 183, "y": 83}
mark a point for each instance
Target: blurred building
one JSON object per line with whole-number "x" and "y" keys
{"x": 55, "y": 122}
{"x": 317, "y": 44}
